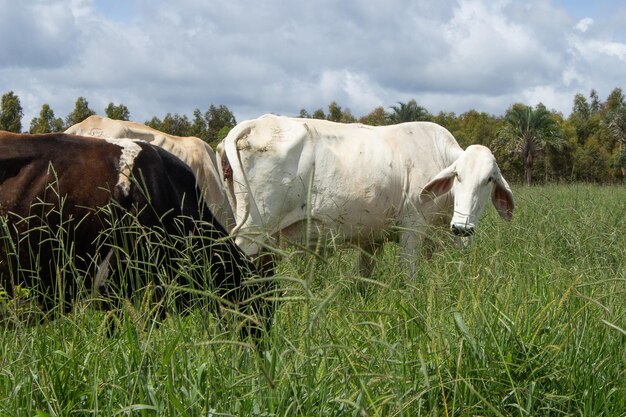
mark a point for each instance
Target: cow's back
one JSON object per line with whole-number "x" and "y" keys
{"x": 30, "y": 165}
{"x": 193, "y": 151}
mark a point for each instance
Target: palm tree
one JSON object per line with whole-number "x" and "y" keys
{"x": 408, "y": 112}
{"x": 530, "y": 131}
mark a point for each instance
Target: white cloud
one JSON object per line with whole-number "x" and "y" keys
{"x": 352, "y": 90}
{"x": 571, "y": 76}
{"x": 272, "y": 56}
{"x": 488, "y": 51}
{"x": 552, "y": 97}
{"x": 584, "y": 24}
{"x": 597, "y": 51}
{"x": 363, "y": 93}
{"x": 36, "y": 34}
{"x": 614, "y": 49}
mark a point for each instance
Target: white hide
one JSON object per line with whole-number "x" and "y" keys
{"x": 358, "y": 182}
{"x": 130, "y": 151}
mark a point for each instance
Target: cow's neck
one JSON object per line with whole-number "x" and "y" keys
{"x": 449, "y": 153}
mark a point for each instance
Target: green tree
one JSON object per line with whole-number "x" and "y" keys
{"x": 614, "y": 121}
{"x": 199, "y": 126}
{"x": 218, "y": 118}
{"x": 559, "y": 160}
{"x": 119, "y": 112}
{"x": 347, "y": 116}
{"x": 615, "y": 100}
{"x": 176, "y": 125}
{"x": 529, "y": 132}
{"x": 477, "y": 128}
{"x": 334, "y": 112}
{"x": 81, "y": 112}
{"x": 620, "y": 162}
{"x": 223, "y": 132}
{"x": 319, "y": 114}
{"x": 46, "y": 122}
{"x": 154, "y": 123}
{"x": 595, "y": 101}
{"x": 615, "y": 126}
{"x": 591, "y": 162}
{"x": 408, "y": 112}
{"x": 584, "y": 118}
{"x": 377, "y": 117}
{"x": 11, "y": 113}
{"x": 449, "y": 120}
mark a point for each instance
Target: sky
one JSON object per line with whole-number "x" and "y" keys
{"x": 255, "y": 57}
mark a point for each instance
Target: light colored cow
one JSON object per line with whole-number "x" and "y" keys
{"x": 191, "y": 150}
{"x": 299, "y": 178}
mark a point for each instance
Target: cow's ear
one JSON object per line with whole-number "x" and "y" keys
{"x": 502, "y": 198}
{"x": 441, "y": 184}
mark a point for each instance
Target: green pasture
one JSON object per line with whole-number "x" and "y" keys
{"x": 528, "y": 321}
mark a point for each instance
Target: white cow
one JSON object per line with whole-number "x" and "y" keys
{"x": 193, "y": 151}
{"x": 297, "y": 178}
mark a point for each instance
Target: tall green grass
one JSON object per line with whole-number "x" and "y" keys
{"x": 530, "y": 320}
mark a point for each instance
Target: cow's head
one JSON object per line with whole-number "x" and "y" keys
{"x": 470, "y": 179}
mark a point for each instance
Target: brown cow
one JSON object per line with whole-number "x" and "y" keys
{"x": 68, "y": 202}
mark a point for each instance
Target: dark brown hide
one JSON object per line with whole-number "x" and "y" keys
{"x": 61, "y": 193}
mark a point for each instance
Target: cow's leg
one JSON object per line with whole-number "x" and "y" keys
{"x": 462, "y": 242}
{"x": 433, "y": 240}
{"x": 367, "y": 258}
{"x": 366, "y": 264}
{"x": 259, "y": 312}
{"x": 410, "y": 236}
{"x": 266, "y": 263}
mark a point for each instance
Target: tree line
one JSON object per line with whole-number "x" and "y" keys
{"x": 532, "y": 143}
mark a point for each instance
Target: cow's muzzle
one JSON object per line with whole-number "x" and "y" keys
{"x": 462, "y": 230}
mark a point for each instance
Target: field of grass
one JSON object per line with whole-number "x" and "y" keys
{"x": 528, "y": 321}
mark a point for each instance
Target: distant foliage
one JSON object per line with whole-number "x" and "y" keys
{"x": 408, "y": 112}
{"x": 528, "y": 132}
{"x": 210, "y": 126}
{"x": 377, "y": 117}
{"x": 46, "y": 122}
{"x": 218, "y": 118}
{"x": 11, "y": 113}
{"x": 119, "y": 112}
{"x": 81, "y": 112}
{"x": 176, "y": 124}
{"x": 532, "y": 144}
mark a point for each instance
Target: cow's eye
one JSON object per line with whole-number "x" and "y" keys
{"x": 457, "y": 177}
{"x": 490, "y": 179}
